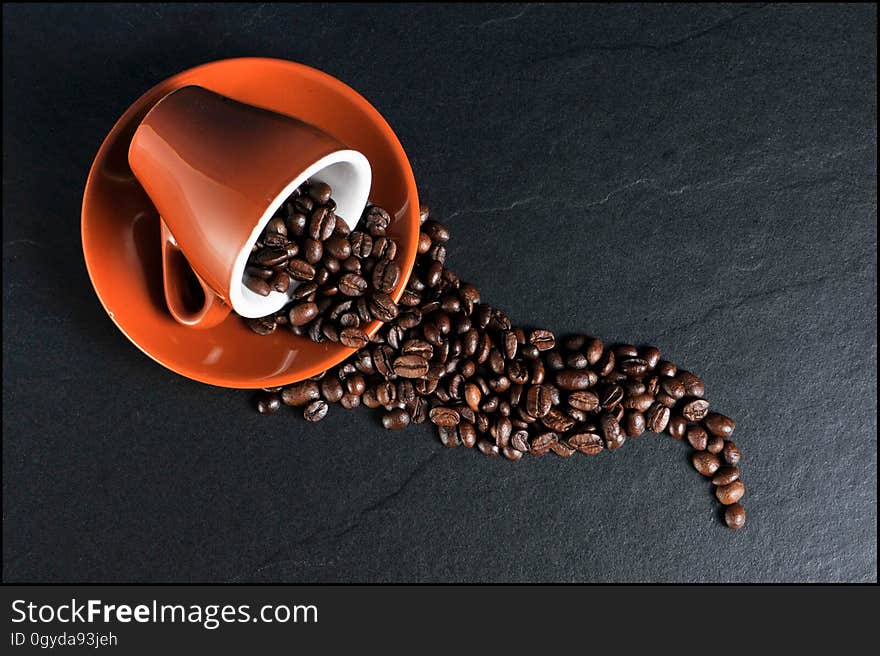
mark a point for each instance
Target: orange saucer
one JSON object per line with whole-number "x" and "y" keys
{"x": 120, "y": 226}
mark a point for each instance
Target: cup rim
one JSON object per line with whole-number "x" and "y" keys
{"x": 239, "y": 297}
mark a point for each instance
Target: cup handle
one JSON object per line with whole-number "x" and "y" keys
{"x": 178, "y": 297}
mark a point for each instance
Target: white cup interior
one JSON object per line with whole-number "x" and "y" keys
{"x": 349, "y": 175}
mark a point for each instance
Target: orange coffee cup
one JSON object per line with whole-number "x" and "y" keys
{"x": 217, "y": 170}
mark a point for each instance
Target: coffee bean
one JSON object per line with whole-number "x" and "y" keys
{"x": 487, "y": 447}
{"x": 725, "y": 475}
{"x": 258, "y": 286}
{"x": 719, "y": 425}
{"x": 695, "y": 410}
{"x": 543, "y": 340}
{"x": 262, "y": 325}
{"x": 351, "y": 284}
{"x": 587, "y": 443}
{"x": 258, "y": 272}
{"x": 557, "y": 421}
{"x": 657, "y": 418}
{"x": 715, "y": 444}
{"x": 331, "y": 389}
{"x": 320, "y": 192}
{"x": 730, "y": 493}
{"x": 639, "y": 402}
{"x": 693, "y": 384}
{"x": 442, "y": 416}
{"x": 632, "y": 366}
{"x": 520, "y": 441}
{"x": 538, "y": 401}
{"x": 468, "y": 434}
{"x": 574, "y": 379}
{"x": 697, "y": 437}
{"x": 673, "y": 387}
{"x": 705, "y": 463}
{"x": 411, "y": 366}
{"x": 386, "y": 275}
{"x": 562, "y": 449}
{"x": 301, "y": 313}
{"x": 730, "y": 453}
{"x": 300, "y": 270}
{"x": 666, "y": 369}
{"x": 382, "y": 307}
{"x": 268, "y": 403}
{"x": 383, "y": 249}
{"x": 353, "y": 338}
{"x": 583, "y": 400}
{"x": 633, "y": 423}
{"x": 395, "y": 419}
{"x": 611, "y": 396}
{"x": 316, "y": 410}
{"x": 735, "y": 516}
{"x": 651, "y": 355}
{"x": 541, "y": 443}
{"x": 349, "y": 401}
{"x": 676, "y": 427}
{"x": 611, "y": 432}
{"x": 300, "y": 394}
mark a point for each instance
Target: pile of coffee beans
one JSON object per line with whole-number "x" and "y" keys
{"x": 443, "y": 356}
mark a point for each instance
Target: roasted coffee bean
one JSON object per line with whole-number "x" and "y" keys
{"x": 378, "y": 220}
{"x": 611, "y": 432}
{"x": 574, "y": 379}
{"x": 635, "y": 367}
{"x": 557, "y": 421}
{"x": 322, "y": 223}
{"x": 538, "y": 401}
{"x": 487, "y": 447}
{"x": 676, "y": 427}
{"x": 303, "y": 204}
{"x": 443, "y": 416}
{"x": 331, "y": 389}
{"x": 351, "y": 284}
{"x": 730, "y": 493}
{"x": 666, "y": 369}
{"x": 543, "y": 340}
{"x": 651, "y": 355}
{"x": 300, "y": 270}
{"x": 313, "y": 251}
{"x": 605, "y": 364}
{"x": 262, "y": 325}
{"x": 697, "y": 437}
{"x": 468, "y": 434}
{"x": 719, "y": 425}
{"x": 301, "y": 313}
{"x": 520, "y": 441}
{"x": 258, "y": 272}
{"x": 411, "y": 366}
{"x": 705, "y": 463}
{"x": 280, "y": 282}
{"x": 583, "y": 400}
{"x": 383, "y": 307}
{"x": 673, "y": 387}
{"x": 634, "y": 423}
{"x": 541, "y": 443}
{"x": 353, "y": 338}
{"x": 269, "y": 257}
{"x": 395, "y": 419}
{"x": 268, "y": 403}
{"x": 386, "y": 275}
{"x": 562, "y": 449}
{"x": 301, "y": 393}
{"x": 725, "y": 475}
{"x": 349, "y": 401}
{"x": 639, "y": 402}
{"x": 320, "y": 192}
{"x": 259, "y": 286}
{"x": 693, "y": 385}
{"x": 715, "y": 444}
{"x": 735, "y": 516}
{"x": 316, "y": 410}
{"x": 593, "y": 348}
{"x": 587, "y": 443}
{"x": 730, "y": 453}
{"x": 296, "y": 224}
{"x": 611, "y": 396}
{"x": 657, "y": 418}
{"x": 695, "y": 410}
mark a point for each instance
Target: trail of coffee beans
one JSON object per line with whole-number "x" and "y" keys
{"x": 443, "y": 356}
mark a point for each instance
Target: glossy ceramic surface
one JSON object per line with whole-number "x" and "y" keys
{"x": 217, "y": 170}
{"x": 121, "y": 235}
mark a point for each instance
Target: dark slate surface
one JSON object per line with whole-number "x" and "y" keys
{"x": 702, "y": 178}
